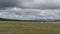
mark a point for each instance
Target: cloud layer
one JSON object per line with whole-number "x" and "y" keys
{"x": 29, "y": 14}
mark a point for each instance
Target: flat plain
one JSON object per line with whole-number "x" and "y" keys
{"x": 17, "y": 27}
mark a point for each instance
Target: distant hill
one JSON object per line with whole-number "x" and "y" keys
{"x": 4, "y": 19}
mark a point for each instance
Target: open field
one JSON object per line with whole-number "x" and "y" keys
{"x": 17, "y": 27}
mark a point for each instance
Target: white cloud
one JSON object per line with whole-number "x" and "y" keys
{"x": 29, "y": 14}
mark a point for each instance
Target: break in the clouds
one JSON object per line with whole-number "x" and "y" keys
{"x": 30, "y": 9}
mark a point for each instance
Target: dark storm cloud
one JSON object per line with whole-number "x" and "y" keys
{"x": 35, "y": 4}
{"x": 7, "y": 3}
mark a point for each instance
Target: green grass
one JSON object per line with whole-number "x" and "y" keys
{"x": 17, "y": 27}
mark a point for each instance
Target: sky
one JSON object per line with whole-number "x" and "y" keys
{"x": 30, "y": 9}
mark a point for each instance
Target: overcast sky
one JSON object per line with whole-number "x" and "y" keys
{"x": 46, "y": 9}
{"x": 36, "y": 4}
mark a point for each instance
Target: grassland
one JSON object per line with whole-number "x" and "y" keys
{"x": 17, "y": 27}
